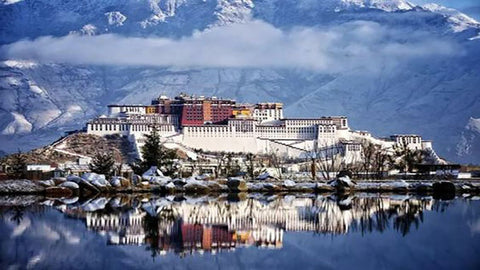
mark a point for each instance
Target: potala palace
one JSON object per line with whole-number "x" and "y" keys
{"x": 217, "y": 124}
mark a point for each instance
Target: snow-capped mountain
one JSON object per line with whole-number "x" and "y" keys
{"x": 434, "y": 95}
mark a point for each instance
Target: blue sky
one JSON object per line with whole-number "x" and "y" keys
{"x": 469, "y": 7}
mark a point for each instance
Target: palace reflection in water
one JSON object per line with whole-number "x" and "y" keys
{"x": 209, "y": 225}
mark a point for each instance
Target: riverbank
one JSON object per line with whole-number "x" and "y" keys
{"x": 60, "y": 187}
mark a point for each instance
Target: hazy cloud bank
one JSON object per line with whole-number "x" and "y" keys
{"x": 360, "y": 44}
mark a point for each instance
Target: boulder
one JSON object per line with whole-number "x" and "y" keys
{"x": 119, "y": 181}
{"x": 115, "y": 182}
{"x": 323, "y": 187}
{"x": 269, "y": 187}
{"x": 70, "y": 185}
{"x": 216, "y": 187}
{"x": 342, "y": 183}
{"x": 153, "y": 171}
{"x": 179, "y": 182}
{"x": 98, "y": 180}
{"x": 158, "y": 180}
{"x": 196, "y": 187}
{"x": 87, "y": 188}
{"x": 400, "y": 185}
{"x": 344, "y": 173}
{"x": 96, "y": 204}
{"x": 289, "y": 184}
{"x": 236, "y": 184}
{"x": 58, "y": 192}
{"x": 74, "y": 178}
{"x": 170, "y": 186}
{"x": 47, "y": 183}
{"x": 422, "y": 187}
{"x": 71, "y": 200}
{"x": 205, "y": 176}
{"x": 264, "y": 176}
{"x": 59, "y": 180}
{"x": 443, "y": 187}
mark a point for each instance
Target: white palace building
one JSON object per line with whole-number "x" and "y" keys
{"x": 214, "y": 124}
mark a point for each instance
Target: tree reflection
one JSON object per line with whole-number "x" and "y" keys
{"x": 197, "y": 225}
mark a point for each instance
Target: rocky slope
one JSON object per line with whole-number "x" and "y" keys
{"x": 72, "y": 147}
{"x": 433, "y": 94}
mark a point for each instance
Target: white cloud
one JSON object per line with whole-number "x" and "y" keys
{"x": 354, "y": 45}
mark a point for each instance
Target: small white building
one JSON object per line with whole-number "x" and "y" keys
{"x": 40, "y": 167}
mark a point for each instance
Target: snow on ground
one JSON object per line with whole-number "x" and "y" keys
{"x": 17, "y": 125}
{"x": 19, "y": 64}
{"x": 459, "y": 21}
{"x": 115, "y": 18}
{"x": 19, "y": 186}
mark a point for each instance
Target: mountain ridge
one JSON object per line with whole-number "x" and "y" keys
{"x": 40, "y": 100}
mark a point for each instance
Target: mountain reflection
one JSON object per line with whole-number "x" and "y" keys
{"x": 196, "y": 225}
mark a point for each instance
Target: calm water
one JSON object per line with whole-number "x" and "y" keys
{"x": 253, "y": 232}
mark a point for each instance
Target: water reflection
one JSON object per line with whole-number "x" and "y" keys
{"x": 197, "y": 225}
{"x": 255, "y": 231}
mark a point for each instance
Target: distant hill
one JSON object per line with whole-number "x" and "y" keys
{"x": 429, "y": 93}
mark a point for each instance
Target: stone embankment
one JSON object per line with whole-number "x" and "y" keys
{"x": 91, "y": 184}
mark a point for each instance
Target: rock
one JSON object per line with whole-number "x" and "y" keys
{"x": 342, "y": 183}
{"x": 236, "y": 184}
{"x": 422, "y": 187}
{"x": 59, "y": 180}
{"x": 58, "y": 192}
{"x": 268, "y": 187}
{"x": 402, "y": 184}
{"x": 344, "y": 173}
{"x": 170, "y": 186}
{"x": 263, "y": 176}
{"x": 443, "y": 187}
{"x": 69, "y": 200}
{"x": 289, "y": 184}
{"x": 20, "y": 186}
{"x": 158, "y": 180}
{"x": 179, "y": 182}
{"x": 116, "y": 181}
{"x": 153, "y": 171}
{"x": 203, "y": 176}
{"x": 195, "y": 187}
{"x": 96, "y": 204}
{"x": 87, "y": 188}
{"x": 47, "y": 183}
{"x": 74, "y": 178}
{"x": 216, "y": 187}
{"x": 322, "y": 187}
{"x": 97, "y": 180}
{"x": 70, "y": 185}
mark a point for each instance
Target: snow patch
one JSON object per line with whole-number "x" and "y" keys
{"x": 385, "y": 5}
{"x": 115, "y": 18}
{"x": 10, "y": 2}
{"x": 459, "y": 21}
{"x": 22, "y": 64}
{"x": 18, "y": 125}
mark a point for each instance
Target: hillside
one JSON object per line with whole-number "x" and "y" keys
{"x": 390, "y": 66}
{"x": 72, "y": 147}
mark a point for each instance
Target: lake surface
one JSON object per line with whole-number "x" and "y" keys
{"x": 366, "y": 231}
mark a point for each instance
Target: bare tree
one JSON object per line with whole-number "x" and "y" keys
{"x": 405, "y": 158}
{"x": 328, "y": 159}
